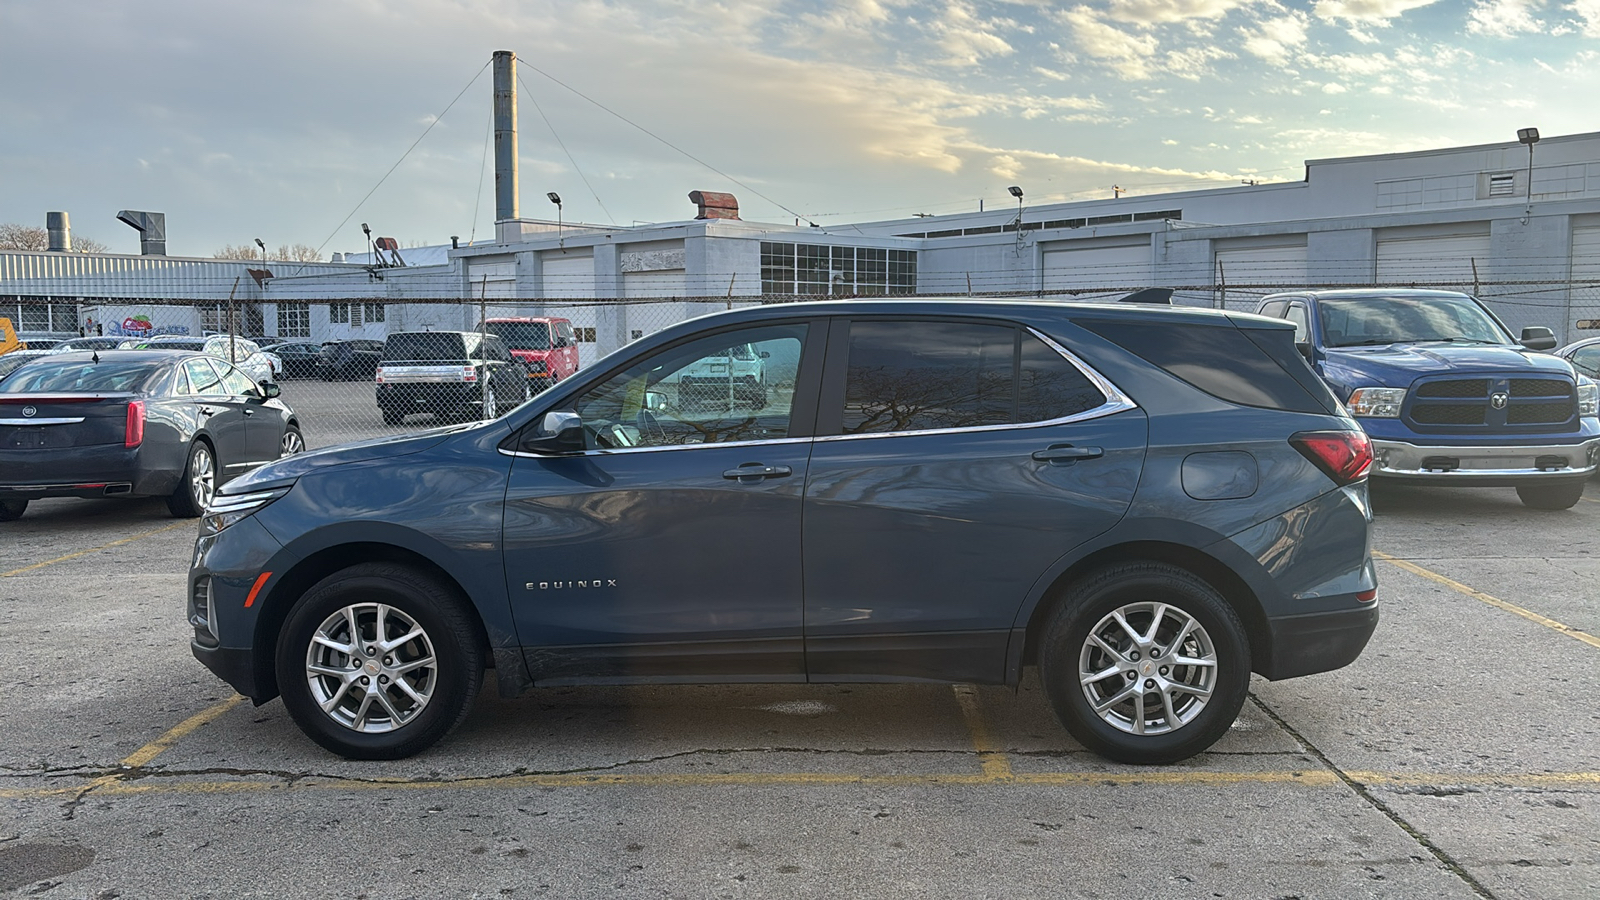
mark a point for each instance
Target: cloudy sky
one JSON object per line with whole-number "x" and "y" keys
{"x": 275, "y": 120}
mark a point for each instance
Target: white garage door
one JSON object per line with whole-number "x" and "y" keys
{"x": 492, "y": 280}
{"x": 572, "y": 277}
{"x": 1253, "y": 272}
{"x": 1104, "y": 269}
{"x": 1585, "y": 282}
{"x": 660, "y": 283}
{"x": 1444, "y": 262}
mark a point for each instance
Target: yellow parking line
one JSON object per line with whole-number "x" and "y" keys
{"x": 1317, "y": 778}
{"x": 995, "y": 764}
{"x": 142, "y": 534}
{"x": 1476, "y": 594}
{"x": 162, "y": 744}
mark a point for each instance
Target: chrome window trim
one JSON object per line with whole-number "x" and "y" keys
{"x": 620, "y": 450}
{"x": 1116, "y": 402}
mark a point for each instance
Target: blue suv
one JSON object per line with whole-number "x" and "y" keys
{"x": 1447, "y": 395}
{"x": 1148, "y": 504}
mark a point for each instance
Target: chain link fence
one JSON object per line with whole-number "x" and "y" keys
{"x": 339, "y": 402}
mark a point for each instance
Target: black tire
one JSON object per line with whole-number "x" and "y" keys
{"x": 1065, "y": 648}
{"x": 189, "y": 499}
{"x": 1561, "y": 495}
{"x": 12, "y": 510}
{"x": 392, "y": 417}
{"x": 450, "y": 638}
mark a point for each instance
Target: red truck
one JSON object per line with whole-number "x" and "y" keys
{"x": 546, "y": 346}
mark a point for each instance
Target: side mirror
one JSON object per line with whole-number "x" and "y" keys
{"x": 270, "y": 389}
{"x": 559, "y": 432}
{"x": 1538, "y": 337}
{"x": 1305, "y": 349}
{"x": 655, "y": 401}
{"x": 766, "y": 354}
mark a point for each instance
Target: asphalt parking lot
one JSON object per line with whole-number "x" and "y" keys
{"x": 1458, "y": 757}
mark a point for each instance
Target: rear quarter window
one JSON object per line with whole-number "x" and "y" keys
{"x": 1223, "y": 361}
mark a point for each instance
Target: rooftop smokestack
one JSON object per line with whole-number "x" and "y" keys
{"x": 505, "y": 135}
{"x": 60, "y": 232}
{"x": 715, "y": 205}
{"x": 152, "y": 228}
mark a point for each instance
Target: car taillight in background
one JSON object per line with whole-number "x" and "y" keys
{"x": 378, "y": 374}
{"x": 1344, "y": 456}
{"x": 469, "y": 373}
{"x": 133, "y": 433}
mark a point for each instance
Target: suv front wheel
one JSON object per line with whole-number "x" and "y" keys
{"x": 1145, "y": 663}
{"x": 378, "y": 661}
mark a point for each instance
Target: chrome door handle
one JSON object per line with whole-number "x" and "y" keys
{"x": 1066, "y": 454}
{"x": 249, "y": 412}
{"x": 750, "y": 473}
{"x": 206, "y": 411}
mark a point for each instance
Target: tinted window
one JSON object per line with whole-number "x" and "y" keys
{"x": 1274, "y": 308}
{"x": 1218, "y": 359}
{"x": 522, "y": 335}
{"x": 1356, "y": 321}
{"x": 424, "y": 346}
{"x": 1050, "y": 387}
{"x": 1587, "y": 359}
{"x": 1302, "y": 324}
{"x": 84, "y": 376}
{"x": 202, "y": 378}
{"x": 917, "y": 376}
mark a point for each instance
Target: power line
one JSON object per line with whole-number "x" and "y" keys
{"x": 663, "y": 140}
{"x": 534, "y": 100}
{"x": 402, "y": 158}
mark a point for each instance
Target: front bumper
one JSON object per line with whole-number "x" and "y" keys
{"x": 1483, "y": 465}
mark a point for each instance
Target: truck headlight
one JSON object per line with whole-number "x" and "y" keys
{"x": 1589, "y": 399}
{"x": 1377, "y": 402}
{"x": 229, "y": 510}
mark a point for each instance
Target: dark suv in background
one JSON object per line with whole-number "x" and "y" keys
{"x": 349, "y": 360}
{"x": 455, "y": 375}
{"x": 1148, "y": 504}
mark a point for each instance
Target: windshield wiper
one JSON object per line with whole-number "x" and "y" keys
{"x": 1460, "y": 340}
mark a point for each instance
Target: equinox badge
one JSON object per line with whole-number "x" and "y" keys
{"x": 559, "y": 585}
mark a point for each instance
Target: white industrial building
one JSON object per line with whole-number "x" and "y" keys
{"x": 1468, "y": 217}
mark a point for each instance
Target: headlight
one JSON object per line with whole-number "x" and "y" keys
{"x": 1377, "y": 402}
{"x": 227, "y": 510}
{"x": 1589, "y": 399}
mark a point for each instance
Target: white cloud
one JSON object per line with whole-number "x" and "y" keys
{"x": 1155, "y": 12}
{"x": 1274, "y": 39}
{"x": 1504, "y": 18}
{"x": 967, "y": 39}
{"x": 1589, "y": 12}
{"x": 1334, "y": 87}
{"x": 1371, "y": 12}
{"x": 1129, "y": 55}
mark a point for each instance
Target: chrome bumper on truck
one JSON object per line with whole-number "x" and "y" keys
{"x": 1480, "y": 465}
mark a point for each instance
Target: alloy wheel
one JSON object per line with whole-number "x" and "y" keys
{"x": 371, "y": 668}
{"x": 202, "y": 477}
{"x": 1148, "y": 668}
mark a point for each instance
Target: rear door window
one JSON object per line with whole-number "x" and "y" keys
{"x": 203, "y": 379}
{"x": 922, "y": 376}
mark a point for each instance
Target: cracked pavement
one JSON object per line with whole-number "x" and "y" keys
{"x": 1457, "y": 758}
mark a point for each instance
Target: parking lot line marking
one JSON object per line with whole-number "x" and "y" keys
{"x": 144, "y": 755}
{"x": 1476, "y": 594}
{"x": 995, "y": 764}
{"x": 1317, "y": 778}
{"x": 118, "y": 543}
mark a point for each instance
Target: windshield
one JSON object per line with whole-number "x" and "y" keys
{"x": 1361, "y": 321}
{"x": 522, "y": 335}
{"x": 84, "y": 376}
{"x": 424, "y": 346}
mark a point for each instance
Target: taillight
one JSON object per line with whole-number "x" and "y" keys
{"x": 133, "y": 434}
{"x": 1343, "y": 456}
{"x": 469, "y": 373}
{"x": 378, "y": 374}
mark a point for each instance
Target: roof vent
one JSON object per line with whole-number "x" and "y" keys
{"x": 715, "y": 205}
{"x": 1502, "y": 185}
{"x": 152, "y": 228}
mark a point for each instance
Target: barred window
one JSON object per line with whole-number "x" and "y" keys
{"x": 294, "y": 320}
{"x": 374, "y": 312}
{"x": 814, "y": 269}
{"x": 339, "y": 313}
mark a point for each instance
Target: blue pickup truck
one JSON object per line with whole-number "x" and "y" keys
{"x": 1447, "y": 394}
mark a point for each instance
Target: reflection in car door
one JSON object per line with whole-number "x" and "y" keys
{"x": 221, "y": 414}
{"x": 263, "y": 426}
{"x": 955, "y": 463}
{"x": 670, "y": 550}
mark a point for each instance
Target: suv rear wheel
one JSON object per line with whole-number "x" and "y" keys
{"x": 1145, "y": 663}
{"x": 379, "y": 661}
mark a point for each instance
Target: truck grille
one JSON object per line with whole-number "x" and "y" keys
{"x": 1468, "y": 405}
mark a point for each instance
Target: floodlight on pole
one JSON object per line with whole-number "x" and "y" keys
{"x": 555, "y": 198}
{"x": 1529, "y": 136}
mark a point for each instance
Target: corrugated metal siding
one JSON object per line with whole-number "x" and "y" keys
{"x": 161, "y": 277}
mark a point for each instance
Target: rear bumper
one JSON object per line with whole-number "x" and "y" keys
{"x": 422, "y": 396}
{"x": 89, "y": 472}
{"x": 1319, "y": 642}
{"x": 1488, "y": 465}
